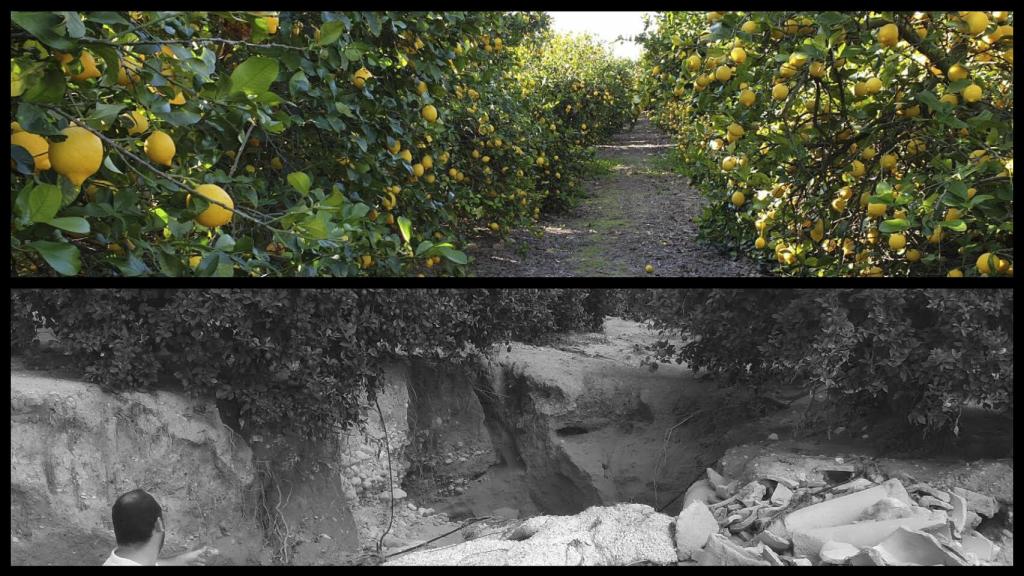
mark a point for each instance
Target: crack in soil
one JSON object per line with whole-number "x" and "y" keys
{"x": 638, "y": 213}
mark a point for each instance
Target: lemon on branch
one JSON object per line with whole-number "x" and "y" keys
{"x": 159, "y": 147}
{"x": 78, "y": 156}
{"x": 214, "y": 215}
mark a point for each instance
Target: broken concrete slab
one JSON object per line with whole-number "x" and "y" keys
{"x": 930, "y": 501}
{"x": 721, "y": 551}
{"x": 980, "y": 503}
{"x": 926, "y": 488}
{"x": 752, "y": 493}
{"x": 769, "y": 555}
{"x": 983, "y": 548}
{"x": 797, "y": 561}
{"x": 973, "y": 519}
{"x": 868, "y": 557}
{"x": 807, "y": 542}
{"x": 887, "y": 509}
{"x": 773, "y": 541}
{"x": 694, "y": 526}
{"x": 855, "y": 485}
{"x": 782, "y": 495}
{"x": 906, "y": 546}
{"x": 845, "y": 509}
{"x": 701, "y": 491}
{"x": 833, "y": 552}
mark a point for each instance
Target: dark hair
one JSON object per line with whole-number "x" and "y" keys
{"x": 135, "y": 514}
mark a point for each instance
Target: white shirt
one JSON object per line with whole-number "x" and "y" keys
{"x": 115, "y": 560}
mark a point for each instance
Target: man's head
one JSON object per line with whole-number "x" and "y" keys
{"x": 136, "y": 517}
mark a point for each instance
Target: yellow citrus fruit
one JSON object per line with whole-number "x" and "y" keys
{"x": 868, "y": 153}
{"x": 897, "y": 241}
{"x": 728, "y": 163}
{"x": 747, "y": 97}
{"x": 972, "y": 93}
{"x": 366, "y": 261}
{"x": 139, "y": 122}
{"x": 494, "y": 226}
{"x": 78, "y": 156}
{"x": 214, "y": 215}
{"x": 272, "y": 23}
{"x": 89, "y": 69}
{"x": 888, "y": 161}
{"x": 760, "y": 243}
{"x": 873, "y": 85}
{"x": 421, "y": 88}
{"x": 955, "y": 273}
{"x": 780, "y": 91}
{"x": 649, "y": 268}
{"x": 817, "y": 69}
{"x": 36, "y": 145}
{"x": 877, "y": 210}
{"x": 405, "y": 155}
{"x": 976, "y": 22}
{"x": 913, "y": 255}
{"x": 160, "y": 147}
{"x": 987, "y": 262}
{"x": 429, "y": 113}
{"x": 193, "y": 261}
{"x": 956, "y": 72}
{"x": 857, "y": 168}
{"x": 359, "y": 77}
{"x": 888, "y": 35}
{"x": 738, "y": 55}
{"x": 15, "y": 127}
{"x": 417, "y": 170}
{"x": 395, "y": 148}
{"x": 276, "y": 163}
{"x": 736, "y": 130}
{"x": 427, "y": 162}
{"x": 179, "y": 98}
{"x": 738, "y": 198}
{"x": 750, "y": 27}
{"x": 723, "y": 73}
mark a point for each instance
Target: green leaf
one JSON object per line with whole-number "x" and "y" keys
{"x": 300, "y": 181}
{"x": 225, "y": 243}
{"x": 46, "y": 26}
{"x": 103, "y": 115}
{"x": 893, "y": 225}
{"x": 44, "y": 202}
{"x": 423, "y": 247}
{"x": 454, "y": 255}
{"x": 405, "y": 227}
{"x": 45, "y": 88}
{"x": 255, "y": 75}
{"x": 298, "y": 84}
{"x": 71, "y": 224}
{"x": 62, "y": 257}
{"x": 23, "y": 161}
{"x": 73, "y": 22}
{"x": 954, "y": 225}
{"x": 330, "y": 32}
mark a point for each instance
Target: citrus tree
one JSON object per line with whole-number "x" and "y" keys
{"x": 845, "y": 143}
{"x": 924, "y": 355}
{"x": 267, "y": 143}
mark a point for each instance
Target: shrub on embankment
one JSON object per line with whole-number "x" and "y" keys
{"x": 291, "y": 360}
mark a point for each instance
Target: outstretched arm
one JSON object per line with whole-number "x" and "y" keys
{"x": 194, "y": 558}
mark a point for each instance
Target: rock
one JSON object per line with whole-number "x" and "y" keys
{"x": 984, "y": 505}
{"x": 782, "y": 495}
{"x": 833, "y": 552}
{"x": 958, "y": 515}
{"x": 399, "y": 493}
{"x": 973, "y": 520}
{"x": 906, "y": 547}
{"x": 613, "y": 535}
{"x": 807, "y": 542}
{"x": 410, "y": 506}
{"x": 773, "y": 437}
{"x": 752, "y": 493}
{"x": 868, "y": 557}
{"x": 721, "y": 551}
{"x": 700, "y": 491}
{"x": 771, "y": 557}
{"x": 694, "y": 525}
{"x": 797, "y": 561}
{"x": 929, "y": 501}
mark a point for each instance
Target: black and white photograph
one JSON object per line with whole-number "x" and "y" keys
{"x": 481, "y": 426}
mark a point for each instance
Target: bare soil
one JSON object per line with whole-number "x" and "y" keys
{"x": 640, "y": 213}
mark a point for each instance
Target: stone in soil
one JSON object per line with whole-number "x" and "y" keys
{"x": 694, "y": 525}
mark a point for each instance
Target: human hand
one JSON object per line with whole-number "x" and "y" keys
{"x": 199, "y": 557}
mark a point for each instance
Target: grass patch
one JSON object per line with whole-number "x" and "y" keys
{"x": 599, "y": 167}
{"x": 667, "y": 162}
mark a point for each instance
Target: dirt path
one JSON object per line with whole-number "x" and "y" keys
{"x": 640, "y": 212}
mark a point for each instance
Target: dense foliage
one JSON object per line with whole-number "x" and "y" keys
{"x": 292, "y": 360}
{"x": 339, "y": 143}
{"x": 923, "y": 354}
{"x": 844, "y": 143}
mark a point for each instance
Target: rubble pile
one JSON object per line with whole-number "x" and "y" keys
{"x": 804, "y": 520}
